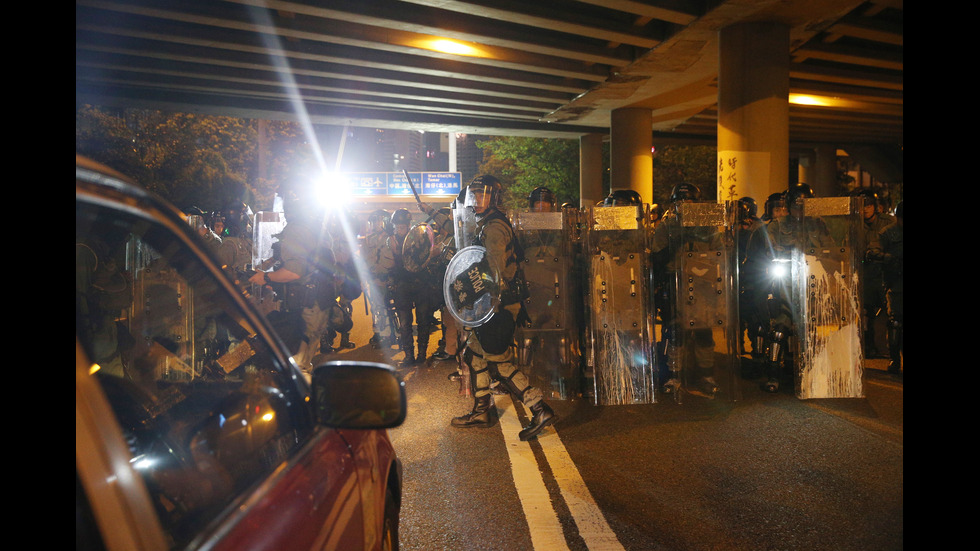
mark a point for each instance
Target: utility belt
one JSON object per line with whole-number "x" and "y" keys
{"x": 301, "y": 294}
{"x": 517, "y": 289}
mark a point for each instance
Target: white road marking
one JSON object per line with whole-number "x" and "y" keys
{"x": 546, "y": 532}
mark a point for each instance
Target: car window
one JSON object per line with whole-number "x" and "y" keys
{"x": 205, "y": 408}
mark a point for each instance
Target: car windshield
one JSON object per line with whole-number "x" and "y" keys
{"x": 204, "y": 406}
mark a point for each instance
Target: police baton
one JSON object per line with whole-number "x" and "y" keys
{"x": 422, "y": 206}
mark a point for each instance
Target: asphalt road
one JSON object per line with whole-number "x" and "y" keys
{"x": 767, "y": 472}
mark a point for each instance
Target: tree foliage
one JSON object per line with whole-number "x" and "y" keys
{"x": 523, "y": 164}
{"x": 193, "y": 160}
{"x": 674, "y": 165}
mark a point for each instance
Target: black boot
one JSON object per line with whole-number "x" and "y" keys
{"x": 409, "y": 359}
{"x": 345, "y": 341}
{"x": 484, "y": 414}
{"x": 895, "y": 350}
{"x": 543, "y": 416}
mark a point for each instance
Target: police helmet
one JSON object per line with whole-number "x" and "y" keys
{"x": 216, "y": 220}
{"x": 297, "y": 201}
{"x": 489, "y": 187}
{"x": 685, "y": 192}
{"x": 401, "y": 216}
{"x": 870, "y": 197}
{"x": 236, "y": 219}
{"x": 797, "y": 192}
{"x": 379, "y": 221}
{"x": 541, "y": 194}
{"x": 621, "y": 197}
{"x": 774, "y": 201}
{"x": 747, "y": 208}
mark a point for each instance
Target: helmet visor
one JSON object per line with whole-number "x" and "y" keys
{"x": 478, "y": 197}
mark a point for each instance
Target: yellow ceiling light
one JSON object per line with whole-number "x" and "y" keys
{"x": 448, "y": 46}
{"x": 803, "y": 99}
{"x": 820, "y": 101}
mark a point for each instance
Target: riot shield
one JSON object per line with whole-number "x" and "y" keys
{"x": 464, "y": 226}
{"x": 417, "y": 248}
{"x": 169, "y": 332}
{"x": 702, "y": 322}
{"x": 472, "y": 286}
{"x": 826, "y": 302}
{"x": 265, "y": 227}
{"x": 619, "y": 352}
{"x": 196, "y": 221}
{"x": 548, "y": 344}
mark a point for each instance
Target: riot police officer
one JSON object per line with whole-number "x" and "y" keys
{"x": 775, "y": 207}
{"x": 783, "y": 235}
{"x": 541, "y": 199}
{"x": 621, "y": 197}
{"x": 751, "y": 275}
{"x": 548, "y": 344}
{"x": 488, "y": 353}
{"x": 376, "y": 233}
{"x": 297, "y": 272}
{"x": 402, "y": 286}
{"x": 444, "y": 247}
{"x": 619, "y": 357}
{"x": 423, "y": 264}
{"x": 689, "y": 340}
{"x": 235, "y": 251}
{"x": 872, "y": 297}
{"x": 887, "y": 248}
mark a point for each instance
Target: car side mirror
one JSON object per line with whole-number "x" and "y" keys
{"x": 358, "y": 395}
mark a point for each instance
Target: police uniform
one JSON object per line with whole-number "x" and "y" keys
{"x": 488, "y": 353}
{"x": 378, "y": 264}
{"x": 873, "y": 295}
{"x": 782, "y": 236}
{"x": 298, "y": 254}
{"x": 701, "y": 239}
{"x": 887, "y": 248}
{"x": 442, "y": 220}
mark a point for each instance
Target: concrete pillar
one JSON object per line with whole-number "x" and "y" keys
{"x": 822, "y": 176}
{"x": 753, "y": 110}
{"x": 590, "y": 169}
{"x": 630, "y": 157}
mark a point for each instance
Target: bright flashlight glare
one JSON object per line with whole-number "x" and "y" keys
{"x": 779, "y": 269}
{"x": 331, "y": 191}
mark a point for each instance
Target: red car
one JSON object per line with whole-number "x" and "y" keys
{"x": 193, "y": 427}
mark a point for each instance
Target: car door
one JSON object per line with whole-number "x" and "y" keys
{"x": 216, "y": 419}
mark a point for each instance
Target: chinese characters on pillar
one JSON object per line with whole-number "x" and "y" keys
{"x": 741, "y": 172}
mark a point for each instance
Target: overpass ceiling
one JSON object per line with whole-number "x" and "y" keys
{"x": 551, "y": 68}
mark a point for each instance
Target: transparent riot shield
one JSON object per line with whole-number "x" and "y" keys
{"x": 265, "y": 227}
{"x": 702, "y": 322}
{"x": 464, "y": 226}
{"x": 264, "y": 230}
{"x": 548, "y": 344}
{"x": 826, "y": 302}
{"x": 418, "y": 248}
{"x": 169, "y": 333}
{"x": 196, "y": 221}
{"x": 619, "y": 353}
{"x": 472, "y": 286}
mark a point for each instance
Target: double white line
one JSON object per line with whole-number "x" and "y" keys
{"x": 542, "y": 520}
